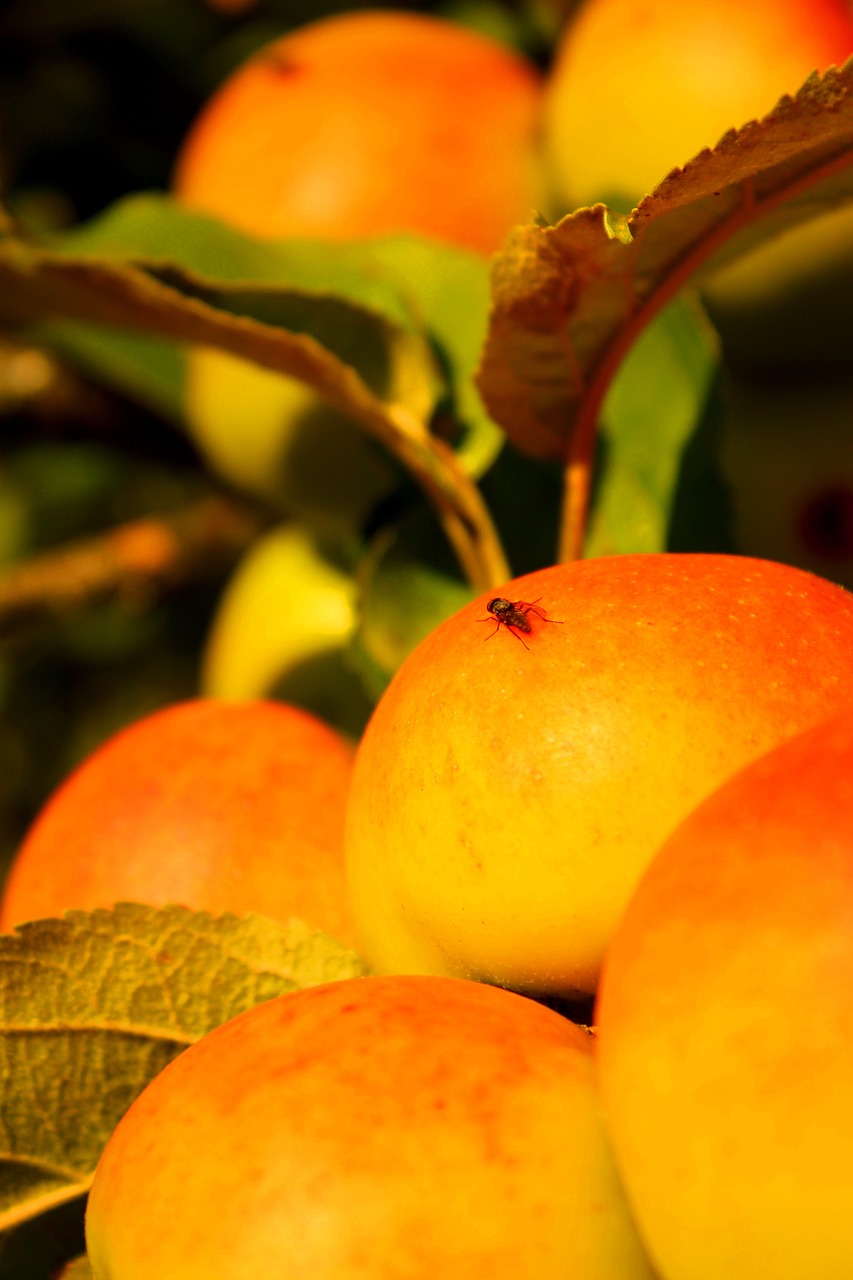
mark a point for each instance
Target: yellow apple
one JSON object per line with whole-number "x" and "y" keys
{"x": 369, "y": 1129}
{"x": 785, "y": 308}
{"x": 640, "y": 86}
{"x": 283, "y": 625}
{"x": 274, "y": 437}
{"x": 511, "y": 787}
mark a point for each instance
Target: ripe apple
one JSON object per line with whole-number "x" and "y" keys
{"x": 369, "y": 123}
{"x": 364, "y": 1130}
{"x": 511, "y": 788}
{"x": 218, "y": 806}
{"x": 358, "y": 125}
{"x": 640, "y": 86}
{"x": 725, "y": 1020}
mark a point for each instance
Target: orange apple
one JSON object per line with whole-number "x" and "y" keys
{"x": 725, "y": 1021}
{"x": 219, "y": 806}
{"x": 358, "y": 125}
{"x": 640, "y": 86}
{"x": 369, "y": 123}
{"x": 369, "y": 1129}
{"x": 511, "y": 787}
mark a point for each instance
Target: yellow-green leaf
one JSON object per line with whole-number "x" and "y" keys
{"x": 94, "y": 1005}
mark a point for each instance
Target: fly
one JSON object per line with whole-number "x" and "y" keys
{"x": 513, "y": 614}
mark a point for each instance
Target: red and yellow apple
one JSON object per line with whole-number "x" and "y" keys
{"x": 359, "y": 125}
{"x": 218, "y": 806}
{"x": 725, "y": 1020}
{"x": 369, "y": 1129}
{"x": 370, "y": 123}
{"x": 640, "y": 86}
{"x": 510, "y": 789}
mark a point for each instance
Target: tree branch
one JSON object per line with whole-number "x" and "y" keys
{"x": 135, "y": 561}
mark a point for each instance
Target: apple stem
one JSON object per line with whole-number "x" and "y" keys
{"x": 459, "y": 506}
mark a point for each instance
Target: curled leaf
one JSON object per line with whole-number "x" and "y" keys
{"x": 570, "y": 300}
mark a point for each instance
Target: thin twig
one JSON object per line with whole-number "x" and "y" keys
{"x": 137, "y": 561}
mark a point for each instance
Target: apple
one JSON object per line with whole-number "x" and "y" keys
{"x": 368, "y": 1129}
{"x": 218, "y": 806}
{"x": 369, "y": 123}
{"x": 637, "y": 87}
{"x": 511, "y": 787}
{"x": 282, "y": 627}
{"x": 358, "y": 125}
{"x": 273, "y": 437}
{"x": 725, "y": 1021}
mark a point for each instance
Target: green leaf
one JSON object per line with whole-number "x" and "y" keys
{"x": 154, "y": 228}
{"x": 348, "y": 353}
{"x": 654, "y": 405}
{"x": 94, "y": 1005}
{"x": 438, "y": 291}
{"x": 448, "y": 289}
{"x": 570, "y": 300}
{"x": 389, "y": 391}
{"x": 408, "y": 586}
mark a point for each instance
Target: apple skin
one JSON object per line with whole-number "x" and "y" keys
{"x": 505, "y": 801}
{"x": 369, "y": 1129}
{"x": 725, "y": 1020}
{"x": 370, "y": 123}
{"x": 286, "y": 602}
{"x": 274, "y": 437}
{"x": 218, "y": 806}
{"x": 640, "y": 86}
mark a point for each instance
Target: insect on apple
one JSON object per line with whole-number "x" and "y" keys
{"x": 512, "y": 614}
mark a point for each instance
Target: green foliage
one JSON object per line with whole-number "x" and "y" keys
{"x": 438, "y": 294}
{"x": 408, "y": 582}
{"x": 651, "y": 413}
